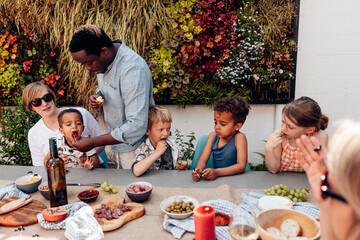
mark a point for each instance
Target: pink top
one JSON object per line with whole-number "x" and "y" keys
{"x": 288, "y": 162}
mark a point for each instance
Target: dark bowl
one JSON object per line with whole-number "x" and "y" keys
{"x": 44, "y": 193}
{"x": 221, "y": 219}
{"x": 88, "y": 196}
{"x": 141, "y": 196}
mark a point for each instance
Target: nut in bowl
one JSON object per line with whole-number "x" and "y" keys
{"x": 139, "y": 191}
{"x": 28, "y": 183}
{"x": 278, "y": 224}
{"x": 44, "y": 190}
{"x": 179, "y": 207}
{"x": 88, "y": 196}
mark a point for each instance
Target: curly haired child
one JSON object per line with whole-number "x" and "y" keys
{"x": 226, "y": 143}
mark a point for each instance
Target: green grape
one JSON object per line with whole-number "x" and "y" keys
{"x": 277, "y": 187}
{"x": 292, "y": 192}
{"x": 294, "y": 199}
{"x": 107, "y": 188}
{"x": 272, "y": 192}
{"x": 114, "y": 191}
{"x": 111, "y": 186}
{"x": 290, "y": 196}
{"x": 303, "y": 191}
{"x": 279, "y": 191}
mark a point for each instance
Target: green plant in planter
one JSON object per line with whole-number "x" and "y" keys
{"x": 187, "y": 146}
{"x": 15, "y": 125}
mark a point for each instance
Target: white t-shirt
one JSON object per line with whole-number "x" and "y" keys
{"x": 39, "y": 135}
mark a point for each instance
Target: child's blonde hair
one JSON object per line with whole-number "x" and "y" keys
{"x": 158, "y": 113}
{"x": 306, "y": 112}
{"x": 344, "y": 161}
{"x": 31, "y": 91}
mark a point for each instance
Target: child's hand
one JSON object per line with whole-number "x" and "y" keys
{"x": 89, "y": 164}
{"x": 274, "y": 141}
{"x": 209, "y": 174}
{"x": 64, "y": 157}
{"x": 196, "y": 174}
{"x": 161, "y": 147}
{"x": 182, "y": 165}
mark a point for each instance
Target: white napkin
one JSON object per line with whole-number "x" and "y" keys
{"x": 83, "y": 226}
{"x": 9, "y": 190}
{"x": 178, "y": 227}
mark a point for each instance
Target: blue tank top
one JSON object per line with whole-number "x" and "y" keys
{"x": 225, "y": 156}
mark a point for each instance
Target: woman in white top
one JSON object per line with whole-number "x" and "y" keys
{"x": 38, "y": 97}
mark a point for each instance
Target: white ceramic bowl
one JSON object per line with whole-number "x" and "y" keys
{"x": 274, "y": 217}
{"x": 274, "y": 202}
{"x": 166, "y": 202}
{"x": 28, "y": 187}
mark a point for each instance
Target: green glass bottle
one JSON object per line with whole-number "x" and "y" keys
{"x": 56, "y": 176}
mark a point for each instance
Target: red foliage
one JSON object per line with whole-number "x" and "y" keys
{"x": 206, "y": 53}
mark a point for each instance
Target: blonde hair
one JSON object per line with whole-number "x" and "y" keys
{"x": 158, "y": 113}
{"x": 344, "y": 161}
{"x": 31, "y": 91}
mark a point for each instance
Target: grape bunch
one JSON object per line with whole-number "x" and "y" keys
{"x": 296, "y": 195}
{"x": 109, "y": 188}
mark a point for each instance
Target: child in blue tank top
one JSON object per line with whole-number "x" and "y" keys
{"x": 228, "y": 145}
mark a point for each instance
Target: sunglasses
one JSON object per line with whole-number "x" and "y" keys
{"x": 36, "y": 102}
{"x": 325, "y": 192}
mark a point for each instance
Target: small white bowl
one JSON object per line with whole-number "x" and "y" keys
{"x": 166, "y": 202}
{"x": 28, "y": 187}
{"x": 274, "y": 202}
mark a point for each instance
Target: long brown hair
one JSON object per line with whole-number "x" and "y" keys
{"x": 306, "y": 112}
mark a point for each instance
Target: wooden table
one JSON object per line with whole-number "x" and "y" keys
{"x": 165, "y": 184}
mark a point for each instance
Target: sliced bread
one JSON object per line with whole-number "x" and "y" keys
{"x": 290, "y": 228}
{"x": 276, "y": 232}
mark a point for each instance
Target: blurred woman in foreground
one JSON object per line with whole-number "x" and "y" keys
{"x": 334, "y": 178}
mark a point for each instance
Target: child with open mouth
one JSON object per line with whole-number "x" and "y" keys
{"x": 71, "y": 126}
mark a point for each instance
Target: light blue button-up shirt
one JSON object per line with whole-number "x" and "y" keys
{"x": 127, "y": 89}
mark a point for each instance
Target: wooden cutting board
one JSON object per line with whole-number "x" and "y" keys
{"x": 23, "y": 216}
{"x": 137, "y": 211}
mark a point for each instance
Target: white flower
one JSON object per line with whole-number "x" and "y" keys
{"x": 281, "y": 71}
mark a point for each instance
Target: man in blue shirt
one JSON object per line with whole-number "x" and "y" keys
{"x": 125, "y": 85}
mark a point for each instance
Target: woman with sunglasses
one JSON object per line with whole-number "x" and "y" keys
{"x": 38, "y": 97}
{"x": 334, "y": 178}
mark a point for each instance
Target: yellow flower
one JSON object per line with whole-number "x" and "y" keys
{"x": 164, "y": 84}
{"x": 188, "y": 15}
{"x": 197, "y": 29}
{"x": 155, "y": 90}
{"x": 175, "y": 25}
{"x": 185, "y": 28}
{"x": 189, "y": 36}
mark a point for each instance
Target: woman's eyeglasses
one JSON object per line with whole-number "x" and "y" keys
{"x": 325, "y": 192}
{"x": 36, "y": 102}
